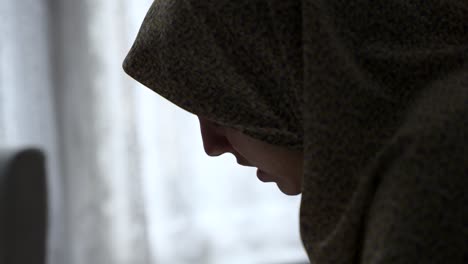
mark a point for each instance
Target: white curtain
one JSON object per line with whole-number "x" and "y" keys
{"x": 28, "y": 113}
{"x": 129, "y": 181}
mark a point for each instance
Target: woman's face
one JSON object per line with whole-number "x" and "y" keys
{"x": 274, "y": 163}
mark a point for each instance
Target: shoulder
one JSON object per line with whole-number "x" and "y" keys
{"x": 419, "y": 211}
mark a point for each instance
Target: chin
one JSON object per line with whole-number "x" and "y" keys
{"x": 289, "y": 190}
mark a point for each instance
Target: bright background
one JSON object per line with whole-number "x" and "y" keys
{"x": 129, "y": 181}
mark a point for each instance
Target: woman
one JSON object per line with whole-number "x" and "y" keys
{"x": 360, "y": 105}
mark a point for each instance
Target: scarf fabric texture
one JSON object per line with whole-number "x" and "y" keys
{"x": 374, "y": 93}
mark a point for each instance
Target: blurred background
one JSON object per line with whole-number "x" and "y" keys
{"x": 129, "y": 181}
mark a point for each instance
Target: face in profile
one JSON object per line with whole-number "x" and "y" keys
{"x": 274, "y": 163}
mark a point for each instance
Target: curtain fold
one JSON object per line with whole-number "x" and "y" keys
{"x": 27, "y": 109}
{"x": 101, "y": 151}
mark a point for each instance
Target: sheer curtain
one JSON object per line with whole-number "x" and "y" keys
{"x": 129, "y": 180}
{"x": 28, "y": 113}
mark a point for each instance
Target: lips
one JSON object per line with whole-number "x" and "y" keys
{"x": 243, "y": 162}
{"x": 263, "y": 176}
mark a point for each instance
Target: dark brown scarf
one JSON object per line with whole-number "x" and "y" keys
{"x": 336, "y": 79}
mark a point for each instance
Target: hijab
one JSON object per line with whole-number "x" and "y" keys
{"x": 234, "y": 62}
{"x": 333, "y": 78}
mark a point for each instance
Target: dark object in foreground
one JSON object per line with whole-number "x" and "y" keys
{"x": 23, "y": 207}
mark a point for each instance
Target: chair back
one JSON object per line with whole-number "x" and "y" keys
{"x": 23, "y": 207}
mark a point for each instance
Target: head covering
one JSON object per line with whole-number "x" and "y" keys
{"x": 237, "y": 63}
{"x": 366, "y": 63}
{"x": 332, "y": 78}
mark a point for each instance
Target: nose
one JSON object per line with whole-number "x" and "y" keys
{"x": 215, "y": 142}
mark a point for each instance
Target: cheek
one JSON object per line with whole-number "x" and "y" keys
{"x": 237, "y": 142}
{"x": 241, "y": 144}
{"x": 251, "y": 149}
